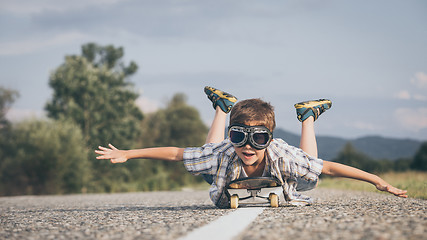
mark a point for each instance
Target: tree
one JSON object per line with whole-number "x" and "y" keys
{"x": 178, "y": 125}
{"x": 402, "y": 164}
{"x": 420, "y": 158}
{"x": 350, "y": 156}
{"x": 93, "y": 90}
{"x": 44, "y": 157}
{"x": 7, "y": 98}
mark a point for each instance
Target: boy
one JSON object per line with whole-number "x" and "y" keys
{"x": 251, "y": 151}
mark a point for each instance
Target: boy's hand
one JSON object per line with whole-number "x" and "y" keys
{"x": 115, "y": 155}
{"x": 389, "y": 188}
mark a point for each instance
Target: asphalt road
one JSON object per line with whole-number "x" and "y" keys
{"x": 170, "y": 215}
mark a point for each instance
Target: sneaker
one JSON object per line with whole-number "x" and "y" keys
{"x": 312, "y": 108}
{"x": 219, "y": 98}
{"x": 300, "y": 200}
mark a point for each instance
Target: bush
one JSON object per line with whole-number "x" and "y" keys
{"x": 351, "y": 157}
{"x": 43, "y": 157}
{"x": 420, "y": 158}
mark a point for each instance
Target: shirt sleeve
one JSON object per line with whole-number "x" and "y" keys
{"x": 306, "y": 166}
{"x": 297, "y": 164}
{"x": 203, "y": 160}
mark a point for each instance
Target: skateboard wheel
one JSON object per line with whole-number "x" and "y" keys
{"x": 274, "y": 200}
{"x": 234, "y": 202}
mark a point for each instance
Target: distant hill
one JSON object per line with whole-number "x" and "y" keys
{"x": 374, "y": 146}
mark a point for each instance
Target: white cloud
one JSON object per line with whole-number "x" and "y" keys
{"x": 412, "y": 119}
{"x": 36, "y": 44}
{"x": 420, "y": 80}
{"x": 30, "y": 6}
{"x": 418, "y": 87}
{"x": 147, "y": 105}
{"x": 404, "y": 94}
{"x": 420, "y": 97}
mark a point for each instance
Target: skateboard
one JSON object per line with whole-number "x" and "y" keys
{"x": 254, "y": 190}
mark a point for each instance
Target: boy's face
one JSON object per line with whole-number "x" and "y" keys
{"x": 248, "y": 154}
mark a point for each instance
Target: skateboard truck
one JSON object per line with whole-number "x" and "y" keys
{"x": 254, "y": 191}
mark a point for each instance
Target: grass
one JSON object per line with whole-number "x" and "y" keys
{"x": 414, "y": 182}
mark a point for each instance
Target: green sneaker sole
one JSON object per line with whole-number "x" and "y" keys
{"x": 219, "y": 98}
{"x": 312, "y": 108}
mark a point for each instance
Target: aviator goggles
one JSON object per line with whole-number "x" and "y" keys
{"x": 259, "y": 137}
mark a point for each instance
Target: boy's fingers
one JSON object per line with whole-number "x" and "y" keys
{"x": 398, "y": 192}
{"x": 101, "y": 152}
{"x": 112, "y": 147}
{"x": 402, "y": 195}
{"x": 103, "y": 148}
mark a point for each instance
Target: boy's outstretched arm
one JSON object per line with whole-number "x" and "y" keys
{"x": 341, "y": 170}
{"x": 120, "y": 156}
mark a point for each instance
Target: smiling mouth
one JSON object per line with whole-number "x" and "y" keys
{"x": 247, "y": 154}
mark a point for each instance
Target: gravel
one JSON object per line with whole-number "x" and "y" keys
{"x": 156, "y": 215}
{"x": 169, "y": 215}
{"x": 344, "y": 215}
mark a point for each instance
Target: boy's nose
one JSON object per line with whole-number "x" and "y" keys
{"x": 247, "y": 146}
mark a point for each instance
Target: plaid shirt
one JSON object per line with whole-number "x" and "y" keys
{"x": 290, "y": 165}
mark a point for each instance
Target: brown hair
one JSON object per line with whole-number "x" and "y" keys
{"x": 253, "y": 110}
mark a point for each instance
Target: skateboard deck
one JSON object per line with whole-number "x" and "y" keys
{"x": 254, "y": 190}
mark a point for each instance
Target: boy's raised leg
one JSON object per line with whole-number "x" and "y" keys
{"x": 217, "y": 129}
{"x": 307, "y": 113}
{"x": 308, "y": 141}
{"x": 222, "y": 102}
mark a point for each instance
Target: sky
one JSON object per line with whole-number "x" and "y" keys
{"x": 368, "y": 56}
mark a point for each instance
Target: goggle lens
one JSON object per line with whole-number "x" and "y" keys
{"x": 236, "y": 136}
{"x": 261, "y": 138}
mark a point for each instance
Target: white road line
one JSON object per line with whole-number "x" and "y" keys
{"x": 226, "y": 227}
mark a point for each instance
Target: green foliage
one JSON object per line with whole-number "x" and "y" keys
{"x": 7, "y": 97}
{"x": 351, "y": 157}
{"x": 93, "y": 91}
{"x": 43, "y": 157}
{"x": 402, "y": 164}
{"x": 108, "y": 57}
{"x": 420, "y": 158}
{"x": 178, "y": 125}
